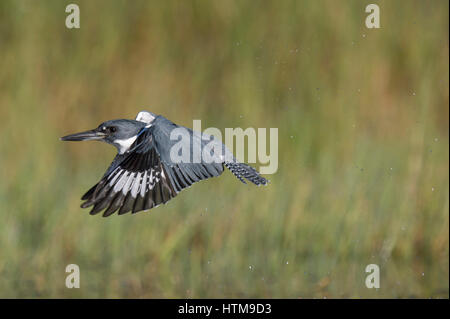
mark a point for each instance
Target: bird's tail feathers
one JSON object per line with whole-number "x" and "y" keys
{"x": 241, "y": 171}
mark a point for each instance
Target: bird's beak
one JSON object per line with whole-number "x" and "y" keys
{"x": 84, "y": 136}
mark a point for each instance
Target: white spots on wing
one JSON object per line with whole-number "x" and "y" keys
{"x": 127, "y": 186}
{"x": 150, "y": 180}
{"x": 124, "y": 145}
{"x": 154, "y": 178}
{"x": 136, "y": 184}
{"x": 117, "y": 174}
{"x": 121, "y": 182}
{"x": 115, "y": 170}
{"x": 144, "y": 184}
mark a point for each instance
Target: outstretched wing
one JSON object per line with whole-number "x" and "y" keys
{"x": 144, "y": 177}
{"x": 137, "y": 183}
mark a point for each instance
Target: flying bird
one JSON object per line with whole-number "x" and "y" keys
{"x": 144, "y": 173}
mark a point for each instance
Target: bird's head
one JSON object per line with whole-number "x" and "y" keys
{"x": 120, "y": 133}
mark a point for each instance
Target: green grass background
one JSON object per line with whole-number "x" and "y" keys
{"x": 363, "y": 119}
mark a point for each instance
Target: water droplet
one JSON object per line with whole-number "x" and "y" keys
{"x": 436, "y": 139}
{"x": 287, "y": 262}
{"x": 423, "y": 274}
{"x": 414, "y": 93}
{"x": 432, "y": 189}
{"x": 250, "y": 267}
{"x": 363, "y": 35}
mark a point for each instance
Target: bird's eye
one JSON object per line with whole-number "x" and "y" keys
{"x": 112, "y": 129}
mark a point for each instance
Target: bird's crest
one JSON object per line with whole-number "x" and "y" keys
{"x": 145, "y": 117}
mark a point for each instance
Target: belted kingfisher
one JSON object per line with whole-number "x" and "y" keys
{"x": 143, "y": 175}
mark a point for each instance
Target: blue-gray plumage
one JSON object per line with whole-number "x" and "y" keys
{"x": 143, "y": 175}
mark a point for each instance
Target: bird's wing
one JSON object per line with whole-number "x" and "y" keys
{"x": 137, "y": 183}
{"x": 182, "y": 174}
{"x": 145, "y": 177}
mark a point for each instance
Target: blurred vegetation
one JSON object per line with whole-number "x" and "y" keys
{"x": 363, "y": 118}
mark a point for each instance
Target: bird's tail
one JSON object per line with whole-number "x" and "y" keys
{"x": 241, "y": 171}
